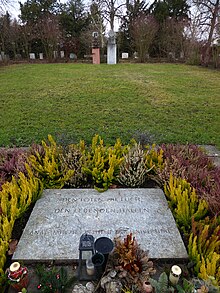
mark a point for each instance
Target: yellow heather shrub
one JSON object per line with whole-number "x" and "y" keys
{"x": 48, "y": 166}
{"x": 210, "y": 267}
{"x": 154, "y": 158}
{"x": 3, "y": 250}
{"x": 15, "y": 198}
{"x": 102, "y": 162}
{"x": 184, "y": 203}
{"x": 204, "y": 249}
{"x": 6, "y": 228}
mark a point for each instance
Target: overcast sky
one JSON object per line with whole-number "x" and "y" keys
{"x": 14, "y": 9}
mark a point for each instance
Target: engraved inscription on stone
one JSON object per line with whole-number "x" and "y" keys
{"x": 60, "y": 217}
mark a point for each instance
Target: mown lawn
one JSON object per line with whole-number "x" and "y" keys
{"x": 152, "y": 102}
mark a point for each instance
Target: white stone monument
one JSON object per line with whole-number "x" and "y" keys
{"x": 32, "y": 56}
{"x": 124, "y": 55}
{"x": 55, "y": 54}
{"x": 111, "y": 48}
{"x": 41, "y": 56}
{"x": 2, "y": 56}
{"x": 62, "y": 55}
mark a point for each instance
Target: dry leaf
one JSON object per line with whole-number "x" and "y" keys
{"x": 12, "y": 246}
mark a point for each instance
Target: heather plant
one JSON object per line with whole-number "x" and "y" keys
{"x": 101, "y": 163}
{"x": 154, "y": 162}
{"x": 3, "y": 249}
{"x": 15, "y": 198}
{"x": 72, "y": 158}
{"x": 184, "y": 203}
{"x": 192, "y": 164}
{"x": 47, "y": 165}
{"x": 18, "y": 194}
{"x": 204, "y": 249}
{"x": 133, "y": 169}
{"x": 154, "y": 158}
{"x": 127, "y": 290}
{"x": 12, "y": 162}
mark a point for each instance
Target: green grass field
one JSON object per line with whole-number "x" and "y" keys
{"x": 152, "y": 102}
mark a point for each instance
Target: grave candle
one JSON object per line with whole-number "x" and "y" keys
{"x": 90, "y": 267}
{"x": 18, "y": 276}
{"x": 175, "y": 273}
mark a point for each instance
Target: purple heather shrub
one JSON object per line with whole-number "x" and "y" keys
{"x": 193, "y": 164}
{"x": 12, "y": 161}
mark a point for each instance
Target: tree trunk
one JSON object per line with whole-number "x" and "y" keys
{"x": 206, "y": 51}
{"x": 112, "y": 15}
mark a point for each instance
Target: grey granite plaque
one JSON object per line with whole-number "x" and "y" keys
{"x": 60, "y": 217}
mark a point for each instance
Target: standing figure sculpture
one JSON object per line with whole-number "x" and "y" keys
{"x": 111, "y": 48}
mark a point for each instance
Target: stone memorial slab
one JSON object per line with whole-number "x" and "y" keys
{"x": 124, "y": 55}
{"x": 32, "y": 56}
{"x": 60, "y": 217}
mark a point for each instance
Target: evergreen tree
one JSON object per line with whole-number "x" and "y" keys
{"x": 33, "y": 10}
{"x": 172, "y": 16}
{"x": 74, "y": 21}
{"x": 162, "y": 9}
{"x": 40, "y": 18}
{"x": 133, "y": 10}
{"x": 5, "y": 22}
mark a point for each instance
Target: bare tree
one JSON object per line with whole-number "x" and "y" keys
{"x": 14, "y": 37}
{"x": 26, "y": 35}
{"x": 5, "y": 22}
{"x": 97, "y": 22}
{"x": 49, "y": 33}
{"x": 209, "y": 11}
{"x": 5, "y": 5}
{"x": 111, "y": 10}
{"x": 143, "y": 30}
{"x": 172, "y": 37}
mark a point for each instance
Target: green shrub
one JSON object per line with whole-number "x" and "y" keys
{"x": 184, "y": 203}
{"x": 53, "y": 280}
{"x": 15, "y": 198}
{"x": 46, "y": 163}
{"x": 204, "y": 248}
{"x": 154, "y": 163}
{"x": 102, "y": 163}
